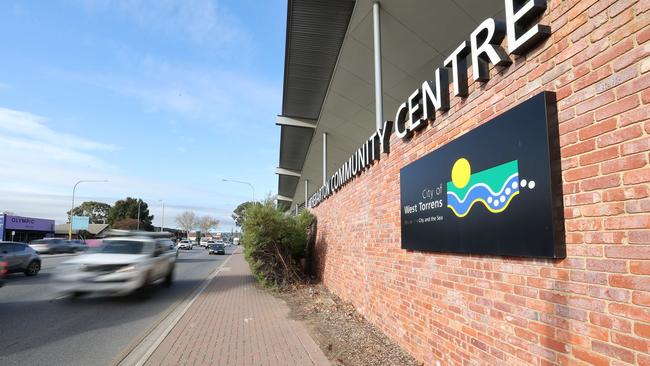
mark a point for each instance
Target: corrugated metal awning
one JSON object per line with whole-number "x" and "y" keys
{"x": 315, "y": 33}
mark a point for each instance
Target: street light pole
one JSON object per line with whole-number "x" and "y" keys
{"x": 73, "y": 192}
{"x": 242, "y": 182}
{"x": 139, "y": 203}
{"x": 162, "y": 225}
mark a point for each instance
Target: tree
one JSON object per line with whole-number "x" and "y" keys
{"x": 274, "y": 243}
{"x": 207, "y": 223}
{"x": 239, "y": 214}
{"x": 97, "y": 211}
{"x": 187, "y": 221}
{"x": 128, "y": 209}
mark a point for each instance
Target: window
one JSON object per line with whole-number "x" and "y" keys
{"x": 122, "y": 247}
{"x": 5, "y": 248}
{"x": 19, "y": 248}
{"x": 168, "y": 244}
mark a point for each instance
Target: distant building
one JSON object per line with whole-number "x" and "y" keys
{"x": 23, "y": 228}
{"x": 94, "y": 230}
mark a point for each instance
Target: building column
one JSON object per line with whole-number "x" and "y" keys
{"x": 324, "y": 158}
{"x": 379, "y": 94}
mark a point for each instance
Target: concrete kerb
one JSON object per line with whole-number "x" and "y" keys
{"x": 140, "y": 350}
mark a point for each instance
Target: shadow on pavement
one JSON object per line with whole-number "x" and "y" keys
{"x": 67, "y": 317}
{"x": 19, "y": 278}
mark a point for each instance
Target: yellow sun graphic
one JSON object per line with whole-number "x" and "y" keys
{"x": 461, "y": 172}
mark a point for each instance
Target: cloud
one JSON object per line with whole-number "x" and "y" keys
{"x": 204, "y": 22}
{"x": 36, "y": 157}
{"x": 195, "y": 93}
{"x": 40, "y": 166}
{"x": 31, "y": 131}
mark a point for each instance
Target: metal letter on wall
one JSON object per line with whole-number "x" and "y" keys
{"x": 487, "y": 192}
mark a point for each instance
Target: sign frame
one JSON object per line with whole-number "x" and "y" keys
{"x": 462, "y": 197}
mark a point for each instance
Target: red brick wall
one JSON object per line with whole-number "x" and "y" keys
{"x": 592, "y": 307}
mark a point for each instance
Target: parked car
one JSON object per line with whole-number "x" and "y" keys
{"x": 20, "y": 257}
{"x": 125, "y": 263}
{"x": 77, "y": 245}
{"x": 235, "y": 241}
{"x": 3, "y": 271}
{"x": 217, "y": 248}
{"x": 185, "y": 244}
{"x": 51, "y": 246}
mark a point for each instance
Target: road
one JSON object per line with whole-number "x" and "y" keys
{"x": 37, "y": 329}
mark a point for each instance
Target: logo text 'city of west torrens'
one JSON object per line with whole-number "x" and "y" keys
{"x": 484, "y": 47}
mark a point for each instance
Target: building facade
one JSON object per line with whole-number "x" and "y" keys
{"x": 24, "y": 229}
{"x": 588, "y": 302}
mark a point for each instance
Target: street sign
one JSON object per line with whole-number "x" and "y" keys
{"x": 80, "y": 222}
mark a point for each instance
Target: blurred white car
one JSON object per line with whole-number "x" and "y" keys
{"x": 122, "y": 265}
{"x": 185, "y": 244}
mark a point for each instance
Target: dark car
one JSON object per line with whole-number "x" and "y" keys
{"x": 77, "y": 245}
{"x": 20, "y": 257}
{"x": 51, "y": 246}
{"x": 218, "y": 248}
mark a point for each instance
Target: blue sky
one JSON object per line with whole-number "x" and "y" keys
{"x": 163, "y": 98}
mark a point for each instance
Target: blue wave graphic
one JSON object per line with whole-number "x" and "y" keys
{"x": 481, "y": 193}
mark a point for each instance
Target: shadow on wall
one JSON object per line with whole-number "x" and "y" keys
{"x": 556, "y": 176}
{"x": 316, "y": 252}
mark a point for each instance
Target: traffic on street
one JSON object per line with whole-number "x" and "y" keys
{"x": 43, "y": 324}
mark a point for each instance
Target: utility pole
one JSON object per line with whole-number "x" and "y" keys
{"x": 162, "y": 225}
{"x": 73, "y": 192}
{"x": 139, "y": 202}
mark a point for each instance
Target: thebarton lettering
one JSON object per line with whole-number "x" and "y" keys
{"x": 522, "y": 31}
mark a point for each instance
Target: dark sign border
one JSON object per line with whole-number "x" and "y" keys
{"x": 531, "y": 225}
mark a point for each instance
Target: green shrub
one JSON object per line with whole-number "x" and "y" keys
{"x": 274, "y": 243}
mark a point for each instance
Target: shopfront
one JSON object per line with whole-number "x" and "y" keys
{"x": 479, "y": 171}
{"x": 25, "y": 229}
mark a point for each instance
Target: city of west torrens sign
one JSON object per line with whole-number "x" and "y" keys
{"x": 522, "y": 31}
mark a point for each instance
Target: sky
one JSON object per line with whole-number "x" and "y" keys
{"x": 162, "y": 98}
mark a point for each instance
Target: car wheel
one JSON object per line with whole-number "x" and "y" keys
{"x": 33, "y": 268}
{"x": 144, "y": 292}
{"x": 169, "y": 278}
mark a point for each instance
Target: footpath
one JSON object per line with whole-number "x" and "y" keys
{"x": 233, "y": 322}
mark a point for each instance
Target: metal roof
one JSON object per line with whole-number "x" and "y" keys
{"x": 294, "y": 143}
{"x": 315, "y": 33}
{"x": 416, "y": 37}
{"x": 92, "y": 228}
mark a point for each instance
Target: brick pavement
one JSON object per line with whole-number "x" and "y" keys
{"x": 233, "y": 322}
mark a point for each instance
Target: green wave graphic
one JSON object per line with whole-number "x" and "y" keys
{"x": 493, "y": 177}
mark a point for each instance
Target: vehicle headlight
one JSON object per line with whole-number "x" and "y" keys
{"x": 129, "y": 268}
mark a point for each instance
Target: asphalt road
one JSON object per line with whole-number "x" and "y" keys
{"x": 37, "y": 329}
